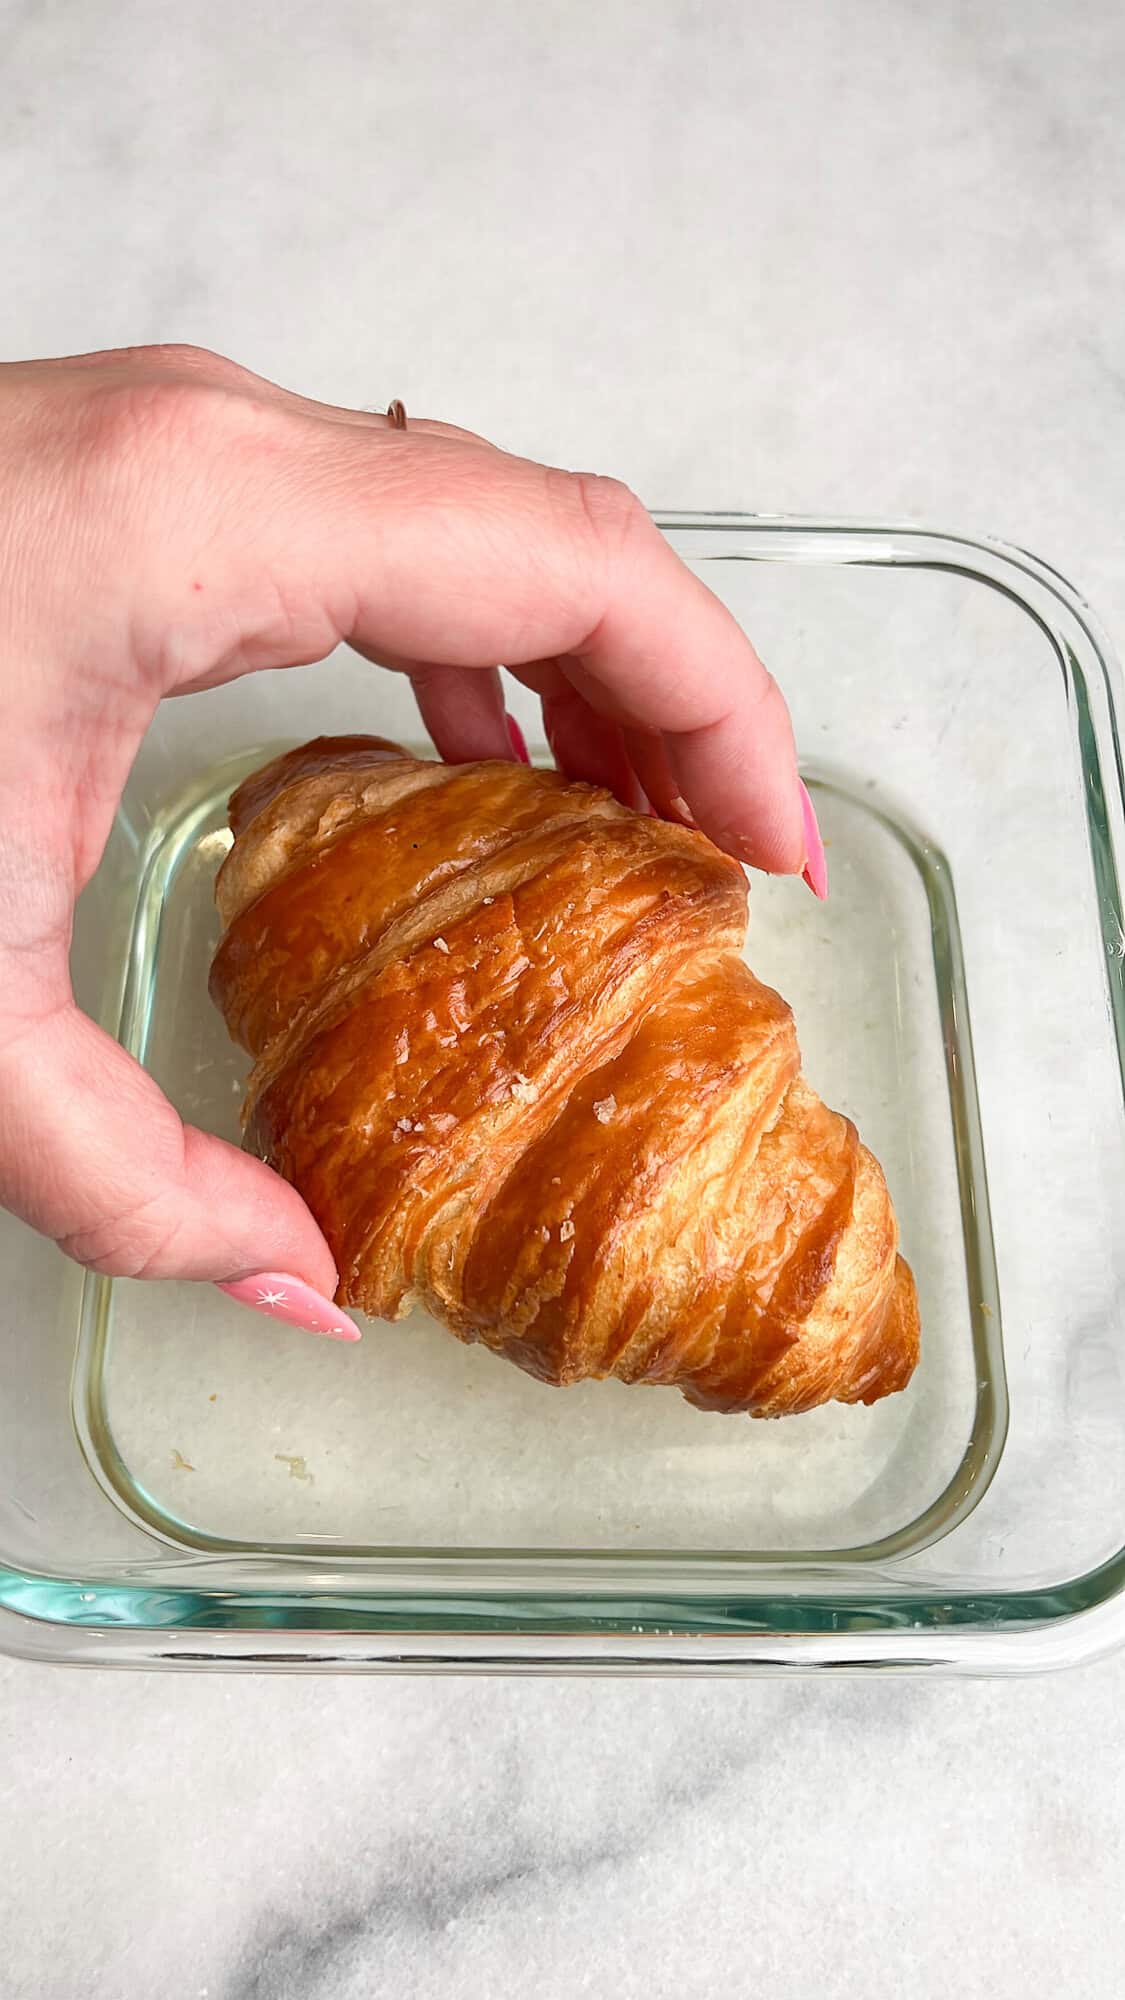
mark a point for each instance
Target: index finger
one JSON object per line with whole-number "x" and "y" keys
{"x": 441, "y": 549}
{"x": 666, "y": 654}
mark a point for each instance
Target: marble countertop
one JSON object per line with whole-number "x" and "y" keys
{"x": 825, "y": 258}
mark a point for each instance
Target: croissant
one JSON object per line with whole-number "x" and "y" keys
{"x": 507, "y": 1049}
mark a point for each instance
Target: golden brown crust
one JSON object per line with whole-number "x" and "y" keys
{"x": 335, "y": 754}
{"x": 508, "y": 1051}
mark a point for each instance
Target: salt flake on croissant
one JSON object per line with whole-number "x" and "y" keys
{"x": 508, "y": 1050}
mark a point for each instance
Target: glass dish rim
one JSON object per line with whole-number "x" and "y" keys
{"x": 186, "y": 1612}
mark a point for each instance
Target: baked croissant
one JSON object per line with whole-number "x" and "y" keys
{"x": 508, "y": 1051}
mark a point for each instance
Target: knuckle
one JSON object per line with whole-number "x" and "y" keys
{"x": 168, "y": 398}
{"x": 168, "y": 357}
{"x": 201, "y": 362}
{"x": 611, "y": 508}
{"x": 133, "y": 1245}
{"x": 602, "y": 518}
{"x": 763, "y": 691}
{"x": 160, "y": 414}
{"x": 95, "y": 1247}
{"x": 155, "y": 455}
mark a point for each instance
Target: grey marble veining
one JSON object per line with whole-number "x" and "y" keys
{"x": 860, "y": 259}
{"x": 269, "y": 1839}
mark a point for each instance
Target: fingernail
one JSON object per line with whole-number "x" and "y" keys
{"x": 815, "y": 871}
{"x": 515, "y": 734}
{"x": 679, "y": 809}
{"x": 279, "y": 1295}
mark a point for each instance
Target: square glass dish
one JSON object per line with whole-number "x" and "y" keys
{"x": 184, "y": 1483}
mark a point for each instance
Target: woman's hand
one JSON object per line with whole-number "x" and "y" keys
{"x": 169, "y": 521}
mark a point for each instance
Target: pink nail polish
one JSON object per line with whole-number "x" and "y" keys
{"x": 678, "y": 809}
{"x": 281, "y": 1296}
{"x": 516, "y": 737}
{"x": 815, "y": 871}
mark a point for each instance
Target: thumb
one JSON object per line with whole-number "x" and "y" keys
{"x": 93, "y": 1155}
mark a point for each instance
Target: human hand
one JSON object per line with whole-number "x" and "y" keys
{"x": 168, "y": 522}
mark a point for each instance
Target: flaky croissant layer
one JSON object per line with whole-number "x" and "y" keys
{"x": 507, "y": 1048}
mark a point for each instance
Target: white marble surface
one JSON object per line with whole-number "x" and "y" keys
{"x": 860, "y": 259}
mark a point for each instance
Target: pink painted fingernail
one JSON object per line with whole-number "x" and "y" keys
{"x": 281, "y": 1296}
{"x": 515, "y": 734}
{"x": 678, "y": 809}
{"x": 815, "y": 871}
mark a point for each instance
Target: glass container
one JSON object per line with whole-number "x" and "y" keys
{"x": 185, "y": 1483}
